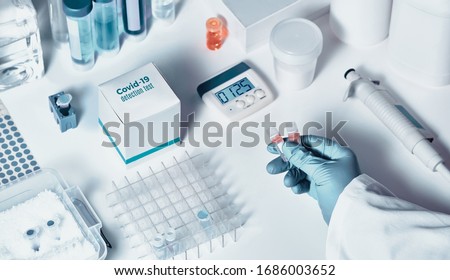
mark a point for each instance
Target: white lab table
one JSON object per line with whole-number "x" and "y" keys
{"x": 280, "y": 225}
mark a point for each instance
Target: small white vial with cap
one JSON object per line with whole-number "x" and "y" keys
{"x": 205, "y": 221}
{"x": 278, "y": 141}
{"x": 64, "y": 100}
{"x": 32, "y": 234}
{"x": 53, "y": 227}
{"x": 158, "y": 245}
{"x": 171, "y": 241}
{"x": 164, "y": 10}
{"x": 204, "y": 218}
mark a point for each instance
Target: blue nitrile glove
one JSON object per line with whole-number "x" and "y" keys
{"x": 318, "y": 166}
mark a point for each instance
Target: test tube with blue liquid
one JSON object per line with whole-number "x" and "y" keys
{"x": 134, "y": 19}
{"x": 78, "y": 13}
{"x": 58, "y": 21}
{"x": 106, "y": 26}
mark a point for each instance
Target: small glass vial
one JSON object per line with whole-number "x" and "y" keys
{"x": 106, "y": 28}
{"x": 134, "y": 19}
{"x": 63, "y": 103}
{"x": 32, "y": 235}
{"x": 171, "y": 241}
{"x": 215, "y": 33}
{"x": 58, "y": 21}
{"x": 164, "y": 10}
{"x": 278, "y": 142}
{"x": 204, "y": 219}
{"x": 53, "y": 227}
{"x": 158, "y": 245}
{"x": 79, "y": 25}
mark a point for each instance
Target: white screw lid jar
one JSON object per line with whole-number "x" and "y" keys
{"x": 296, "y": 44}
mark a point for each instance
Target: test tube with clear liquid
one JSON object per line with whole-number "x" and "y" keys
{"x": 293, "y": 133}
{"x": 171, "y": 241}
{"x": 158, "y": 245}
{"x": 58, "y": 21}
{"x": 278, "y": 141}
{"x": 164, "y": 10}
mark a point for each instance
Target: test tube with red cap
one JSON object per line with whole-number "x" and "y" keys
{"x": 293, "y": 133}
{"x": 277, "y": 139}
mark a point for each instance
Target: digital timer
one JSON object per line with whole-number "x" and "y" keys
{"x": 237, "y": 92}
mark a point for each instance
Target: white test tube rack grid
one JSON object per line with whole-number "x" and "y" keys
{"x": 171, "y": 198}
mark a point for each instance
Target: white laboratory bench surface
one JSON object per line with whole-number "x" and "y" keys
{"x": 280, "y": 225}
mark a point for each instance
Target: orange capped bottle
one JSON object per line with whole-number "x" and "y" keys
{"x": 216, "y": 33}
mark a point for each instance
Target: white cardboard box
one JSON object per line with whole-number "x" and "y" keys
{"x": 136, "y": 112}
{"x": 251, "y": 21}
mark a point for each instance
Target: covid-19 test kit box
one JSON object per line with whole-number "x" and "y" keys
{"x": 138, "y": 111}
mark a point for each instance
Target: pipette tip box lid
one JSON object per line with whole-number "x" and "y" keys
{"x": 30, "y": 186}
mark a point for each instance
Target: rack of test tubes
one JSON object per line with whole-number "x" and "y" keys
{"x": 176, "y": 210}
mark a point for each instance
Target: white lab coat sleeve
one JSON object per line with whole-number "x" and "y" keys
{"x": 369, "y": 222}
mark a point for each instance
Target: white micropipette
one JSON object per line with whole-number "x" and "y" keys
{"x": 381, "y": 103}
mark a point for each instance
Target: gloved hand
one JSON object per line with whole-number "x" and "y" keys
{"x": 318, "y": 166}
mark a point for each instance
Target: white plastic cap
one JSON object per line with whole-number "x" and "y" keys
{"x": 157, "y": 241}
{"x": 53, "y": 223}
{"x": 171, "y": 235}
{"x": 203, "y": 216}
{"x": 64, "y": 100}
{"x": 32, "y": 233}
{"x": 296, "y": 41}
{"x": 273, "y": 132}
{"x": 291, "y": 128}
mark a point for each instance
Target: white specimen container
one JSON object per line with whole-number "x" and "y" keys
{"x": 360, "y": 23}
{"x": 419, "y": 44}
{"x": 296, "y": 45}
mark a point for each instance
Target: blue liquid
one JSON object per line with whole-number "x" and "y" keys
{"x": 106, "y": 28}
{"x": 107, "y": 35}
